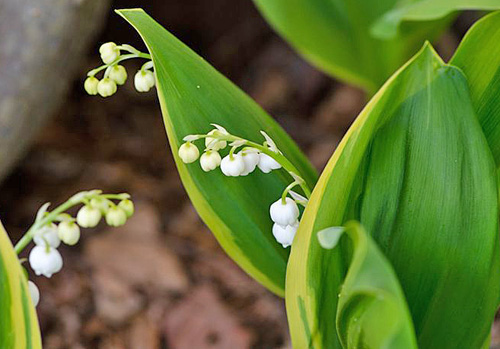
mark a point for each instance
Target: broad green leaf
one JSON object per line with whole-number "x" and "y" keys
{"x": 425, "y": 10}
{"x": 193, "y": 95}
{"x": 18, "y": 322}
{"x": 335, "y": 36}
{"x": 478, "y": 56}
{"x": 415, "y": 169}
{"x": 372, "y": 311}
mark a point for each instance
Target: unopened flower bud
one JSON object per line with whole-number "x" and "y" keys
{"x": 127, "y": 206}
{"x": 144, "y": 79}
{"x": 47, "y": 235}
{"x": 88, "y": 217}
{"x": 212, "y": 143}
{"x": 34, "y": 293}
{"x": 106, "y": 87}
{"x": 267, "y": 163}
{"x": 232, "y": 165}
{"x": 251, "y": 159}
{"x": 45, "y": 260}
{"x": 69, "y": 232}
{"x": 100, "y": 203}
{"x": 90, "y": 85}
{"x": 188, "y": 152}
{"x": 285, "y": 234}
{"x": 210, "y": 160}
{"x": 109, "y": 52}
{"x": 116, "y": 217}
{"x": 284, "y": 213}
{"x": 118, "y": 74}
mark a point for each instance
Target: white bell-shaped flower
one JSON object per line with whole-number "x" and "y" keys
{"x": 88, "y": 216}
{"x": 109, "y": 52}
{"x": 210, "y": 160}
{"x": 267, "y": 163}
{"x": 251, "y": 159}
{"x": 47, "y": 235}
{"x": 118, "y": 74}
{"x": 34, "y": 292}
{"x": 232, "y": 166}
{"x": 90, "y": 85}
{"x": 45, "y": 260}
{"x": 144, "y": 80}
{"x": 213, "y": 143}
{"x": 106, "y": 87}
{"x": 116, "y": 217}
{"x": 188, "y": 152}
{"x": 286, "y": 213}
{"x": 69, "y": 232}
{"x": 285, "y": 234}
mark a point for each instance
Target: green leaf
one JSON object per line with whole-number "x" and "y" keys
{"x": 415, "y": 169}
{"x": 425, "y": 10}
{"x": 18, "y": 322}
{"x": 372, "y": 311}
{"x": 335, "y": 36}
{"x": 193, "y": 95}
{"x": 478, "y": 56}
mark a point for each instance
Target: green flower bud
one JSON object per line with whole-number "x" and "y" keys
{"x": 90, "y": 85}
{"x": 127, "y": 206}
{"x": 100, "y": 203}
{"x": 116, "y": 217}
{"x": 118, "y": 74}
{"x": 69, "y": 232}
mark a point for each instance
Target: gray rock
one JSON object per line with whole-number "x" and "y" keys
{"x": 41, "y": 43}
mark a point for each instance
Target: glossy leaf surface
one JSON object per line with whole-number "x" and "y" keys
{"x": 193, "y": 95}
{"x": 372, "y": 311}
{"x": 415, "y": 169}
{"x": 18, "y": 322}
{"x": 425, "y": 10}
{"x": 335, "y": 36}
{"x": 478, "y": 56}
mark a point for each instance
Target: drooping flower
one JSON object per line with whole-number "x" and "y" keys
{"x": 267, "y": 163}
{"x": 116, "y": 217}
{"x": 106, "y": 87}
{"x": 34, "y": 292}
{"x": 232, "y": 165}
{"x": 47, "y": 235}
{"x": 286, "y": 213}
{"x": 188, "y": 152}
{"x": 88, "y": 216}
{"x": 127, "y": 206}
{"x": 144, "y": 80}
{"x": 210, "y": 160}
{"x": 109, "y": 52}
{"x": 285, "y": 234}
{"x": 213, "y": 144}
{"x": 45, "y": 260}
{"x": 69, "y": 232}
{"x": 251, "y": 158}
{"x": 118, "y": 74}
{"x": 90, "y": 85}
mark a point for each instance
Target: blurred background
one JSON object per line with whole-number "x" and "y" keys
{"x": 161, "y": 281}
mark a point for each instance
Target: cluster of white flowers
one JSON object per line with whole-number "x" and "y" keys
{"x": 44, "y": 258}
{"x": 116, "y": 74}
{"x": 284, "y": 212}
{"x": 235, "y": 163}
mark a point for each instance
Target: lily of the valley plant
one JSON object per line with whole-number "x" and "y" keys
{"x": 396, "y": 244}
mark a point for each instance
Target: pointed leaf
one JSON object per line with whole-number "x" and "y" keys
{"x": 372, "y": 311}
{"x": 334, "y": 35}
{"x": 18, "y": 322}
{"x": 193, "y": 95}
{"x": 415, "y": 169}
{"x": 478, "y": 56}
{"x": 426, "y": 10}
